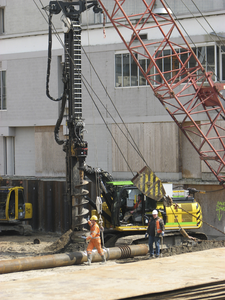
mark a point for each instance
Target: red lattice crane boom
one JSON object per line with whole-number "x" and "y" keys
{"x": 186, "y": 90}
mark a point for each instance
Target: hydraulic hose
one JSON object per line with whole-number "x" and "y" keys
{"x": 59, "y": 121}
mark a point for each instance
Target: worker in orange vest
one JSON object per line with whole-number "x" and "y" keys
{"x": 136, "y": 207}
{"x": 94, "y": 239}
{"x": 155, "y": 231}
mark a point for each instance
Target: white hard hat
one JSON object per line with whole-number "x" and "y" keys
{"x": 155, "y": 212}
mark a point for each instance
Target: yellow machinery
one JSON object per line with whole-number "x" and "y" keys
{"x": 13, "y": 210}
{"x": 119, "y": 197}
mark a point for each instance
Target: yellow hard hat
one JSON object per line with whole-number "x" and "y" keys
{"x": 94, "y": 218}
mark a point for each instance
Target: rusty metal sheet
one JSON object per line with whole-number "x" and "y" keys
{"x": 149, "y": 184}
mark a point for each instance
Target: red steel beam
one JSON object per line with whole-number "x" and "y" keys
{"x": 189, "y": 94}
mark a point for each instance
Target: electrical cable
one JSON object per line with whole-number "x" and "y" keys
{"x": 40, "y": 9}
{"x": 136, "y": 149}
{"x": 97, "y": 184}
{"x": 199, "y": 218}
{"x": 49, "y": 60}
{"x": 199, "y": 21}
{"x": 113, "y": 105}
{"x": 108, "y": 128}
{"x": 48, "y": 74}
{"x": 208, "y": 23}
{"x": 104, "y": 120}
{"x": 176, "y": 18}
{"x": 211, "y": 39}
{"x": 199, "y": 53}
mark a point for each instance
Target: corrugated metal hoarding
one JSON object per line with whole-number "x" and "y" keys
{"x": 51, "y": 211}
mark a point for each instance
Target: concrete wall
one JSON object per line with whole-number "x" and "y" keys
{"x": 2, "y": 162}
{"x": 23, "y": 17}
{"x": 27, "y": 104}
{"x": 24, "y": 151}
{"x": 157, "y": 142}
{"x": 213, "y": 208}
{"x": 49, "y": 156}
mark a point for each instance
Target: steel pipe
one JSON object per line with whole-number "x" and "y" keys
{"x": 68, "y": 259}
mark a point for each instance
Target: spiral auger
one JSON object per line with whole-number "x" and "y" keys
{"x": 78, "y": 205}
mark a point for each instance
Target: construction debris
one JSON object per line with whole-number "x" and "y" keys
{"x": 60, "y": 244}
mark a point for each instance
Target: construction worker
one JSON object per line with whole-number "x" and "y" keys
{"x": 136, "y": 207}
{"x": 94, "y": 239}
{"x": 155, "y": 231}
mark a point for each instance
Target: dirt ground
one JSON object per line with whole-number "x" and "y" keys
{"x": 13, "y": 245}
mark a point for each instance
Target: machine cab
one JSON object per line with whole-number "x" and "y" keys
{"x": 127, "y": 198}
{"x": 13, "y": 206}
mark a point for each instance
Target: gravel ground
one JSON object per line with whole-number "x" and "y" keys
{"x": 14, "y": 246}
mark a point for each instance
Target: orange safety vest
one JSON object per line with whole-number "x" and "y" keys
{"x": 137, "y": 204}
{"x": 158, "y": 227}
{"x": 94, "y": 230}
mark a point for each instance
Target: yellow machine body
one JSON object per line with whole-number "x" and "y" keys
{"x": 12, "y": 205}
{"x": 187, "y": 214}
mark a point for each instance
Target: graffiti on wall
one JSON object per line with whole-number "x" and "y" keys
{"x": 220, "y": 208}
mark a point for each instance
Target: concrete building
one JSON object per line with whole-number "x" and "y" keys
{"x": 28, "y": 117}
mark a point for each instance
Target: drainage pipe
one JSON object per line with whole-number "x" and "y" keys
{"x": 68, "y": 259}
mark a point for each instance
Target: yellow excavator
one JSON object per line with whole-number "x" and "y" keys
{"x": 14, "y": 210}
{"x": 181, "y": 213}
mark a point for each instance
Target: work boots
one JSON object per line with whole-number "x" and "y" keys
{"x": 103, "y": 259}
{"x": 89, "y": 259}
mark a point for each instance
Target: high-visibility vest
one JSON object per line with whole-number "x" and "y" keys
{"x": 94, "y": 230}
{"x": 158, "y": 227}
{"x": 137, "y": 204}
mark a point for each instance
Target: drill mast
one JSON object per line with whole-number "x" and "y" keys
{"x": 75, "y": 147}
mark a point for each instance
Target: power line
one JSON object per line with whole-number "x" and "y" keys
{"x": 136, "y": 149}
{"x": 201, "y": 24}
{"x": 207, "y": 21}
{"x": 199, "y": 53}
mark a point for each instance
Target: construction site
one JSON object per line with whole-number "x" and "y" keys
{"x": 112, "y": 149}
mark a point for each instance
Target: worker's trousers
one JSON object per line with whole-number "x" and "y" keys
{"x": 151, "y": 240}
{"x": 95, "y": 243}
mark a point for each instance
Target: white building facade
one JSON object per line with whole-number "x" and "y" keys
{"x": 28, "y": 117}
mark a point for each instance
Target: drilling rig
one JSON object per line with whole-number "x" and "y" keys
{"x": 186, "y": 91}
{"x": 75, "y": 147}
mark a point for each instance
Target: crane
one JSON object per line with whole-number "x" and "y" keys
{"x": 186, "y": 91}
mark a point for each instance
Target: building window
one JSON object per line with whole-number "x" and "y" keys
{"x": 211, "y": 57}
{"x": 2, "y": 22}
{"x": 222, "y": 73}
{"x": 2, "y": 90}
{"x": 126, "y": 70}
